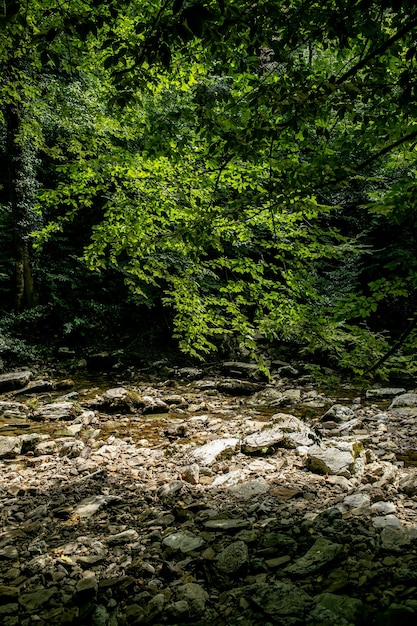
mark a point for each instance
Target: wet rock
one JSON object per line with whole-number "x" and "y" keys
{"x": 207, "y": 454}
{"x": 55, "y": 411}
{"x": 234, "y": 559}
{"x": 14, "y": 380}
{"x": 288, "y": 431}
{"x": 320, "y": 554}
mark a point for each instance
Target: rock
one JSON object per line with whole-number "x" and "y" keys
{"x": 194, "y": 595}
{"x": 320, "y": 554}
{"x": 396, "y": 538}
{"x": 236, "y": 387}
{"x": 31, "y": 602}
{"x": 383, "y": 508}
{"x": 231, "y": 478}
{"x": 408, "y": 484}
{"x": 14, "y": 380}
{"x": 207, "y": 454}
{"x": 386, "y": 520}
{"x": 183, "y": 542}
{"x": 234, "y": 559}
{"x": 170, "y": 490}
{"x": 13, "y": 410}
{"x": 338, "y": 413}
{"x": 340, "y": 458}
{"x": 89, "y": 506}
{"x": 357, "y": 503}
{"x": 249, "y": 489}
{"x": 86, "y": 588}
{"x": 9, "y": 552}
{"x": 405, "y": 400}
{"x": 127, "y": 536}
{"x": 191, "y": 474}
{"x": 35, "y": 386}
{"x": 236, "y": 369}
{"x": 380, "y": 393}
{"x": 189, "y": 373}
{"x": 10, "y": 447}
{"x": 226, "y": 525}
{"x": 283, "y": 602}
{"x": 55, "y": 411}
{"x": 351, "y": 609}
{"x": 288, "y": 431}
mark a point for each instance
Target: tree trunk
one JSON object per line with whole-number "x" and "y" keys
{"x": 20, "y": 191}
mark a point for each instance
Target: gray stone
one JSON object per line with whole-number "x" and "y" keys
{"x": 214, "y": 450}
{"x": 170, "y": 490}
{"x": 194, "y": 595}
{"x": 55, "y": 411}
{"x": 225, "y": 525}
{"x": 386, "y": 520}
{"x": 13, "y": 410}
{"x": 191, "y": 474}
{"x": 249, "y": 489}
{"x": 234, "y": 558}
{"x": 338, "y": 413}
{"x": 396, "y": 538}
{"x": 127, "y": 536}
{"x": 183, "y": 542}
{"x": 288, "y": 431}
{"x": 356, "y": 502}
{"x": 88, "y": 506}
{"x": 14, "y": 380}
{"x": 342, "y": 458}
{"x": 10, "y": 447}
{"x": 383, "y": 508}
{"x": 320, "y": 554}
{"x": 408, "y": 484}
{"x": 405, "y": 400}
{"x": 384, "y": 392}
{"x": 231, "y": 478}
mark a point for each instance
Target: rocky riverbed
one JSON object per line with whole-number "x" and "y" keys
{"x": 189, "y": 496}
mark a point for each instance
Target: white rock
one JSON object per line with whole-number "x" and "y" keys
{"x": 213, "y": 450}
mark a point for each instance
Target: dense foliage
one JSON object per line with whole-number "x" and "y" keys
{"x": 249, "y": 165}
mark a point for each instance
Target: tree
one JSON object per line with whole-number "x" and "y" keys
{"x": 232, "y": 139}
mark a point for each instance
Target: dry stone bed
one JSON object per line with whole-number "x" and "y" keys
{"x": 179, "y": 503}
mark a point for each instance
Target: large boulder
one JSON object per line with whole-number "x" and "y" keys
{"x": 14, "y": 380}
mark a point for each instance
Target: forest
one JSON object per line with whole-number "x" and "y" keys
{"x": 208, "y": 312}
{"x": 227, "y": 175}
